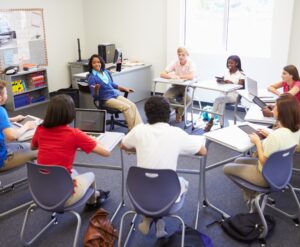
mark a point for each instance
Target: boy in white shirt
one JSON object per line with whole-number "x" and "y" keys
{"x": 158, "y": 146}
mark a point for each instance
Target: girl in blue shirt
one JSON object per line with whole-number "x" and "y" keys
{"x": 102, "y": 87}
{"x": 12, "y": 154}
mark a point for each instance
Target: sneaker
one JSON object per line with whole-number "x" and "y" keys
{"x": 161, "y": 228}
{"x": 104, "y": 195}
{"x": 178, "y": 118}
{"x": 145, "y": 225}
{"x": 209, "y": 125}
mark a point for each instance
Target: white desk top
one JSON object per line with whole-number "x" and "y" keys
{"x": 174, "y": 81}
{"x": 111, "y": 139}
{"x": 214, "y": 86}
{"x": 255, "y": 115}
{"x": 113, "y": 72}
{"x": 261, "y": 91}
{"x": 232, "y": 137}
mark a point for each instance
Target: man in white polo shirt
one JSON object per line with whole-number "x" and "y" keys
{"x": 158, "y": 145}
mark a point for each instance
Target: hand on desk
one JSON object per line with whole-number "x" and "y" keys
{"x": 30, "y": 125}
{"x": 18, "y": 118}
{"x": 267, "y": 111}
{"x": 263, "y": 132}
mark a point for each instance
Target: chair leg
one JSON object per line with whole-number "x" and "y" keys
{"x": 295, "y": 217}
{"x": 121, "y": 228}
{"x": 12, "y": 186}
{"x": 261, "y": 215}
{"x": 53, "y": 221}
{"x": 182, "y": 228}
{"x": 27, "y": 243}
{"x": 8, "y": 212}
{"x": 77, "y": 227}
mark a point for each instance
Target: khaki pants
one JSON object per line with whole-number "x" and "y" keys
{"x": 178, "y": 91}
{"x": 247, "y": 169}
{"x": 82, "y": 182}
{"x": 128, "y": 108}
{"x": 18, "y": 154}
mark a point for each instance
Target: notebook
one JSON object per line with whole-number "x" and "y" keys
{"x": 91, "y": 121}
{"x": 249, "y": 130}
{"x": 29, "y": 133}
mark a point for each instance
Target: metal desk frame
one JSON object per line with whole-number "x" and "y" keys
{"x": 188, "y": 84}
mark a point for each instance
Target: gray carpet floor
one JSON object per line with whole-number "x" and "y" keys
{"x": 221, "y": 191}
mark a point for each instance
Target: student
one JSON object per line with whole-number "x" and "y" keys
{"x": 102, "y": 85}
{"x": 57, "y": 143}
{"x": 183, "y": 68}
{"x": 235, "y": 75}
{"x": 12, "y": 154}
{"x": 158, "y": 146}
{"x": 287, "y": 113}
{"x": 290, "y": 84}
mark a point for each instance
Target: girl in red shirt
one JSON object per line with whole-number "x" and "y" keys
{"x": 57, "y": 144}
{"x": 290, "y": 82}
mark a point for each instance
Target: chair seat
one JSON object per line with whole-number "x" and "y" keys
{"x": 111, "y": 110}
{"x": 248, "y": 185}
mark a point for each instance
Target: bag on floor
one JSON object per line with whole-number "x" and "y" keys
{"x": 246, "y": 227}
{"x": 193, "y": 238}
{"x": 100, "y": 232}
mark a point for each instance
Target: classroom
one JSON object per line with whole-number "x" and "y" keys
{"x": 149, "y": 123}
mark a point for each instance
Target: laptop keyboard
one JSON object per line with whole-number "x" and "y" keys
{"x": 95, "y": 136}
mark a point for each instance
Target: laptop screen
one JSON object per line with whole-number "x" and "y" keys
{"x": 90, "y": 120}
{"x": 252, "y": 86}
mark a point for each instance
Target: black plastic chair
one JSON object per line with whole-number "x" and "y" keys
{"x": 114, "y": 113}
{"x": 50, "y": 187}
{"x": 153, "y": 193}
{"x": 277, "y": 171}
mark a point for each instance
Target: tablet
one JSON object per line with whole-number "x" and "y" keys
{"x": 249, "y": 130}
{"x": 259, "y": 102}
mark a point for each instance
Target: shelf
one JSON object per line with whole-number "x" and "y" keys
{"x": 32, "y": 104}
{"x": 32, "y": 71}
{"x": 31, "y": 90}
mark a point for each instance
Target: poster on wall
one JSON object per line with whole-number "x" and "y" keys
{"x": 22, "y": 37}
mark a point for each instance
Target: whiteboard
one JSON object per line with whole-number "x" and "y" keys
{"x": 22, "y": 37}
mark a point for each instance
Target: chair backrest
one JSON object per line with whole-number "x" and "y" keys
{"x": 50, "y": 186}
{"x": 152, "y": 192}
{"x": 278, "y": 168}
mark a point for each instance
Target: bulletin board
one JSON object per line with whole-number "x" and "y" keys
{"x": 22, "y": 37}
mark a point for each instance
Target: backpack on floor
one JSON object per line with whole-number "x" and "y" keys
{"x": 100, "y": 232}
{"x": 193, "y": 238}
{"x": 246, "y": 227}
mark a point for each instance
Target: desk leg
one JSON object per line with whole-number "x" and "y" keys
{"x": 121, "y": 204}
{"x": 206, "y": 202}
{"x": 200, "y": 188}
{"x": 192, "y": 109}
{"x": 185, "y": 106}
{"x": 154, "y": 88}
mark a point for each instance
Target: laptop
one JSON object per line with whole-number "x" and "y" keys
{"x": 29, "y": 133}
{"x": 253, "y": 89}
{"x": 91, "y": 121}
{"x": 249, "y": 130}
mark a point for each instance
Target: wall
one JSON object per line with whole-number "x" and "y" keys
{"x": 264, "y": 70}
{"x": 294, "y": 49}
{"x": 63, "y": 24}
{"x": 138, "y": 27}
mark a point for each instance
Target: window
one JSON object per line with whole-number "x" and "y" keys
{"x": 242, "y": 27}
